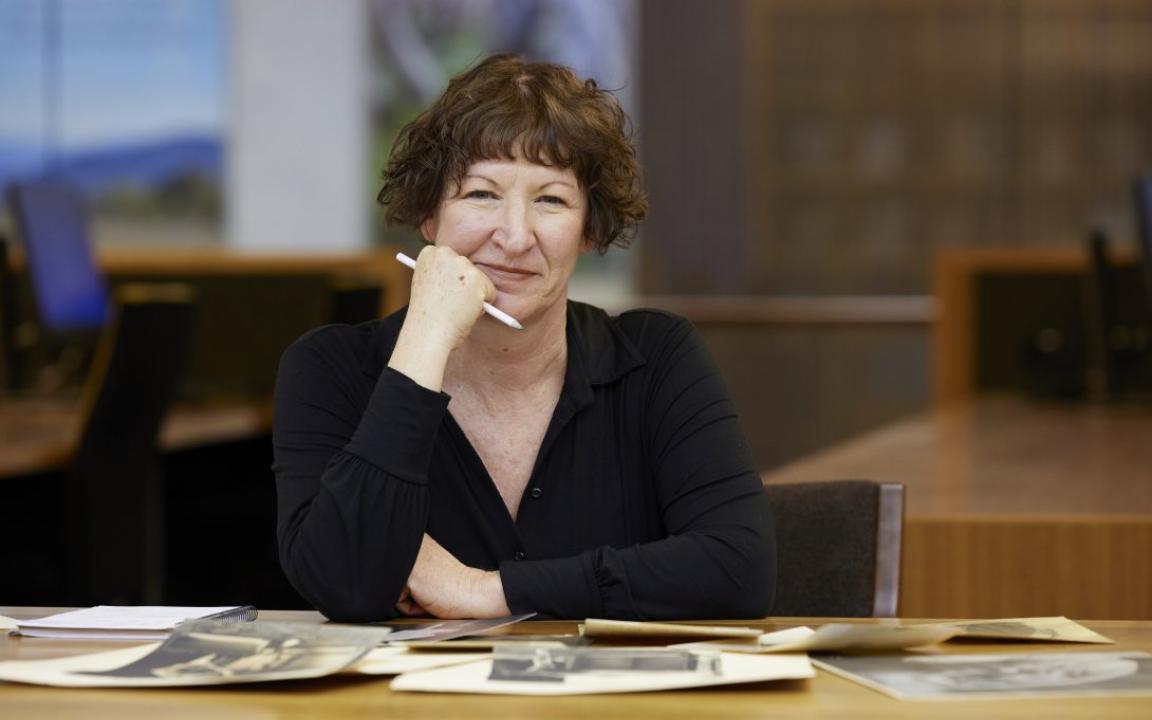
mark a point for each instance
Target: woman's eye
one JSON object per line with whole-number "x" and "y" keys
{"x": 552, "y": 200}
{"x": 480, "y": 194}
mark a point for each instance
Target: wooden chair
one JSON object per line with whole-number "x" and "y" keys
{"x": 114, "y": 493}
{"x": 838, "y": 548}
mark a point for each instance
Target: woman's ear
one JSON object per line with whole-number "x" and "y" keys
{"x": 428, "y": 229}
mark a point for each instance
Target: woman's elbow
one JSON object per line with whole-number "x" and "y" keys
{"x": 338, "y": 596}
{"x": 355, "y": 610}
{"x": 753, "y": 590}
{"x": 343, "y": 602}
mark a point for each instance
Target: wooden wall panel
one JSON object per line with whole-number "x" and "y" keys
{"x": 831, "y": 146}
{"x": 1080, "y": 567}
{"x": 689, "y": 122}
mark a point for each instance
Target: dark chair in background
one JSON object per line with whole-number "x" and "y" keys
{"x": 838, "y": 548}
{"x": 114, "y": 492}
{"x": 355, "y": 301}
{"x": 11, "y": 363}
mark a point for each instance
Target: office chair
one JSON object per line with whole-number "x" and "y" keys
{"x": 838, "y": 548}
{"x": 114, "y": 493}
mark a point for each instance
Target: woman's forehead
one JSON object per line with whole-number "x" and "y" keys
{"x": 507, "y": 170}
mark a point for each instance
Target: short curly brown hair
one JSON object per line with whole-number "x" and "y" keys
{"x": 504, "y": 107}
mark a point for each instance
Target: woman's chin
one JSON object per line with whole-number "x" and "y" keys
{"x": 522, "y": 308}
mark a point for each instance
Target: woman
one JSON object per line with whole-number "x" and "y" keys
{"x": 439, "y": 462}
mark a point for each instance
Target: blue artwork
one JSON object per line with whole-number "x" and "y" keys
{"x": 113, "y": 96}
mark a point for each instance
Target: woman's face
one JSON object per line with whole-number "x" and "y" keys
{"x": 521, "y": 224}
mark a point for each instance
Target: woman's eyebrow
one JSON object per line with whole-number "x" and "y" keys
{"x": 485, "y": 178}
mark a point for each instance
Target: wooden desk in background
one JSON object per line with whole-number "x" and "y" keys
{"x": 379, "y": 264}
{"x": 38, "y": 435}
{"x": 1014, "y": 508}
{"x": 356, "y": 697}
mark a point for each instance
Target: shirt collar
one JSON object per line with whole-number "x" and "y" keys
{"x": 604, "y": 353}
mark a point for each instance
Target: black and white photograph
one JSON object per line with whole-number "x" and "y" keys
{"x": 940, "y": 677}
{"x": 214, "y": 652}
{"x": 437, "y": 630}
{"x": 559, "y": 670}
{"x": 556, "y": 663}
{"x": 1031, "y": 629}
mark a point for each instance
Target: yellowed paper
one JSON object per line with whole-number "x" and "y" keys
{"x": 1001, "y": 675}
{"x": 69, "y": 671}
{"x": 474, "y": 678}
{"x": 836, "y": 637}
{"x": 627, "y": 628}
{"x": 1041, "y": 629}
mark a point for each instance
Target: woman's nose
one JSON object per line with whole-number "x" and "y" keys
{"x": 515, "y": 231}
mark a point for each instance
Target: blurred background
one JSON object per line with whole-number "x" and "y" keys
{"x": 820, "y": 172}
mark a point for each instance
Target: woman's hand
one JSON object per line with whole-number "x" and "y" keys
{"x": 409, "y": 607}
{"x": 444, "y": 587}
{"x": 448, "y": 295}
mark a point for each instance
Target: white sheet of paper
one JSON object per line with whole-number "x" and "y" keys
{"x": 7, "y": 623}
{"x": 115, "y": 622}
{"x": 397, "y": 660}
{"x": 473, "y": 678}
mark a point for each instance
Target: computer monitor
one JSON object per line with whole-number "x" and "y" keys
{"x": 69, "y": 290}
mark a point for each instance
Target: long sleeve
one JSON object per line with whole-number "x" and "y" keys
{"x": 351, "y": 466}
{"x": 717, "y": 554}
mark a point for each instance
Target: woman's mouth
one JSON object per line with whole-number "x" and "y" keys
{"x": 504, "y": 273}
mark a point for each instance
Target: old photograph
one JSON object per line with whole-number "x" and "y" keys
{"x": 555, "y": 663}
{"x": 226, "y": 652}
{"x": 983, "y": 676}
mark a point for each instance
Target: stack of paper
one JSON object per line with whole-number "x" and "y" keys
{"x": 127, "y": 622}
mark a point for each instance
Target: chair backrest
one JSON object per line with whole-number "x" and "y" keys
{"x": 69, "y": 290}
{"x": 10, "y": 359}
{"x": 1142, "y": 189}
{"x": 114, "y": 495}
{"x": 355, "y": 301}
{"x": 838, "y": 548}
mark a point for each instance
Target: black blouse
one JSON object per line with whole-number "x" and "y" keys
{"x": 643, "y": 502}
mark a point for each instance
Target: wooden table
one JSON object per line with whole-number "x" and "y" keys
{"x": 38, "y": 434}
{"x": 1014, "y": 508}
{"x": 354, "y": 697}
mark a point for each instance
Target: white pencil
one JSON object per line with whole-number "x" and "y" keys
{"x": 488, "y": 307}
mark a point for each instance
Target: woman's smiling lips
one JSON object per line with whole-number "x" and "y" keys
{"x": 504, "y": 273}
